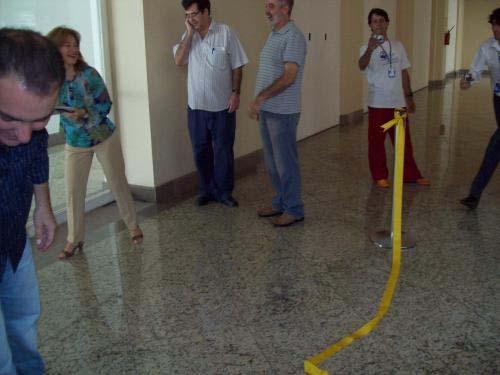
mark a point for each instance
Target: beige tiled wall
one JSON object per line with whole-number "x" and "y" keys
{"x": 476, "y": 27}
{"x": 150, "y": 91}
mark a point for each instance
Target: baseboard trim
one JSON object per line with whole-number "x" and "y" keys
{"x": 451, "y": 75}
{"x": 484, "y": 73}
{"x": 185, "y": 186}
{"x": 351, "y": 118}
{"x": 437, "y": 84}
{"x": 91, "y": 203}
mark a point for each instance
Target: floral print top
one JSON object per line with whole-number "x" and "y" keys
{"x": 87, "y": 90}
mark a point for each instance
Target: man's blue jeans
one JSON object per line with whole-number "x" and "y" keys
{"x": 19, "y": 313}
{"x": 279, "y": 138}
{"x": 491, "y": 157}
{"x": 212, "y": 137}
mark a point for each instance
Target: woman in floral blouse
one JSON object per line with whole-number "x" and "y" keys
{"x": 88, "y": 130}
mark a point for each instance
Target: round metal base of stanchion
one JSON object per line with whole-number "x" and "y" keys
{"x": 383, "y": 239}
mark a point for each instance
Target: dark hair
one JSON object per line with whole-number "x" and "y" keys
{"x": 59, "y": 35}
{"x": 202, "y": 4}
{"x": 495, "y": 17}
{"x": 378, "y": 12}
{"x": 33, "y": 59}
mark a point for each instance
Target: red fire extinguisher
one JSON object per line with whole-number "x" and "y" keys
{"x": 447, "y": 36}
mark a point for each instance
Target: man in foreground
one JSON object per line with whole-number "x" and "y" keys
{"x": 31, "y": 72}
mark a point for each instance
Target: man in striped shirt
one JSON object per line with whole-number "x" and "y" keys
{"x": 277, "y": 106}
{"x": 215, "y": 59}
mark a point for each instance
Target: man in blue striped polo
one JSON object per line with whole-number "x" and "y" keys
{"x": 277, "y": 107}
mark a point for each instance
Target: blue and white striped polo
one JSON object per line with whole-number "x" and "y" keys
{"x": 285, "y": 45}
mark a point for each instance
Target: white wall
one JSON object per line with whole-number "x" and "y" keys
{"x": 421, "y": 44}
{"x": 476, "y": 13}
{"x": 166, "y": 82}
{"x": 321, "y": 82}
{"x": 452, "y": 48}
{"x": 172, "y": 156}
{"x": 127, "y": 45}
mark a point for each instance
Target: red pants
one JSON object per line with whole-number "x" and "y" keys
{"x": 376, "y": 147}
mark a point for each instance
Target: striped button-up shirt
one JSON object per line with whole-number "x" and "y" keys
{"x": 285, "y": 45}
{"x": 210, "y": 64}
{"x": 488, "y": 55}
{"x": 20, "y": 167}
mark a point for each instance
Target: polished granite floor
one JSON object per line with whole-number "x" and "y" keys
{"x": 215, "y": 290}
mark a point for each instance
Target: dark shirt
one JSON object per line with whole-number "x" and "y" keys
{"x": 20, "y": 167}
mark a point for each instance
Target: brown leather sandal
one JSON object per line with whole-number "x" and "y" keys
{"x": 136, "y": 235}
{"x": 70, "y": 250}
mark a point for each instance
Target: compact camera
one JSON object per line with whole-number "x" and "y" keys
{"x": 378, "y": 38}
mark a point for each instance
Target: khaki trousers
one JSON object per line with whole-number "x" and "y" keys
{"x": 78, "y": 163}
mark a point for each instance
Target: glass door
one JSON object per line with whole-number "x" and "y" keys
{"x": 88, "y": 18}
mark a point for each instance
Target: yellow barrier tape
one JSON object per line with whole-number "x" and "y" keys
{"x": 313, "y": 370}
{"x": 310, "y": 365}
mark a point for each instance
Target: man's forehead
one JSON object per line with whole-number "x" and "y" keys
{"x": 20, "y": 103}
{"x": 12, "y": 82}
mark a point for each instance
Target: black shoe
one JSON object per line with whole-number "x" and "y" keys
{"x": 470, "y": 202}
{"x": 230, "y": 202}
{"x": 203, "y": 200}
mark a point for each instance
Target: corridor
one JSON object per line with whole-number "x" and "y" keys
{"x": 215, "y": 290}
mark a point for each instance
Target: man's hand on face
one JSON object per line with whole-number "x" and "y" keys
{"x": 189, "y": 27}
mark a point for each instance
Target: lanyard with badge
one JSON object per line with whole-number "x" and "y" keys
{"x": 383, "y": 55}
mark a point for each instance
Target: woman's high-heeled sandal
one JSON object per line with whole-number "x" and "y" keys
{"x": 70, "y": 250}
{"x": 136, "y": 235}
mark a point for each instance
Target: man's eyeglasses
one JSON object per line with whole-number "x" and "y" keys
{"x": 192, "y": 14}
